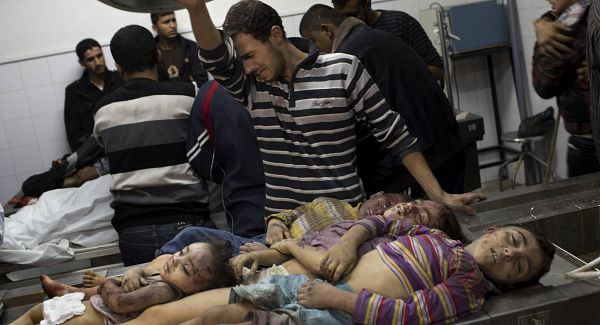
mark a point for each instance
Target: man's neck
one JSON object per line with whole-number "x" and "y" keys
{"x": 151, "y": 74}
{"x": 167, "y": 43}
{"x": 372, "y": 16}
{"x": 97, "y": 80}
{"x": 292, "y": 58}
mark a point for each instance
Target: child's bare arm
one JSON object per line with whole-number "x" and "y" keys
{"x": 123, "y": 302}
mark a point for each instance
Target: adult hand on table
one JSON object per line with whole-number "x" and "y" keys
{"x": 551, "y": 38}
{"x": 458, "y": 202}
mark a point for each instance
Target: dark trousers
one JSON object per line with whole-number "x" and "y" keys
{"x": 139, "y": 244}
{"x": 581, "y": 156}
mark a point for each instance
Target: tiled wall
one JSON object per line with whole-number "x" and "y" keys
{"x": 32, "y": 132}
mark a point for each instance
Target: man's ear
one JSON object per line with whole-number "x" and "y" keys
{"x": 328, "y": 31}
{"x": 277, "y": 34}
{"x": 154, "y": 28}
{"x": 81, "y": 63}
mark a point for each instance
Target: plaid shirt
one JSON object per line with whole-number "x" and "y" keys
{"x": 557, "y": 77}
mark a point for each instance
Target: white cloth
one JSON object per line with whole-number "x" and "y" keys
{"x": 40, "y": 234}
{"x": 60, "y": 309}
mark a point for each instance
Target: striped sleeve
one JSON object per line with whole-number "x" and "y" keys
{"x": 461, "y": 294}
{"x": 370, "y": 107}
{"x": 224, "y": 65}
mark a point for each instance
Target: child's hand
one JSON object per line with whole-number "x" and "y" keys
{"x": 317, "y": 294}
{"x": 133, "y": 279}
{"x": 237, "y": 263}
{"x": 276, "y": 231}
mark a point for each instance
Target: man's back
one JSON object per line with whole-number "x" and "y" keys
{"x": 143, "y": 128}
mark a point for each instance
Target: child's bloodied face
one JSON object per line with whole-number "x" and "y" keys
{"x": 420, "y": 212}
{"x": 190, "y": 269}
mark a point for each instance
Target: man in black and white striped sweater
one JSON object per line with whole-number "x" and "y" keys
{"x": 143, "y": 128}
{"x": 305, "y": 108}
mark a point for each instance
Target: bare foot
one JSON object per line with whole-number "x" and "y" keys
{"x": 252, "y": 247}
{"x": 54, "y": 288}
{"x": 92, "y": 279}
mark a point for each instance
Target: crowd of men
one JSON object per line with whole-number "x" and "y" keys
{"x": 298, "y": 133}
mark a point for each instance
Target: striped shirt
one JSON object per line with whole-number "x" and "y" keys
{"x": 444, "y": 280}
{"x": 404, "y": 26}
{"x": 143, "y": 128}
{"x": 306, "y": 128}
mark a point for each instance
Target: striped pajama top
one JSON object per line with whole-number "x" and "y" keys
{"x": 445, "y": 281}
{"x": 306, "y": 127}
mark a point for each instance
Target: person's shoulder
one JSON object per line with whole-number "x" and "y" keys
{"x": 335, "y": 57}
{"x": 177, "y": 88}
{"x": 395, "y": 15}
{"x": 74, "y": 85}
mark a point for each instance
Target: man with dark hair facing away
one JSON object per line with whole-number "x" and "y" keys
{"x": 305, "y": 108}
{"x": 178, "y": 58}
{"x": 82, "y": 95}
{"x": 410, "y": 90}
{"x": 398, "y": 23}
{"x": 143, "y": 128}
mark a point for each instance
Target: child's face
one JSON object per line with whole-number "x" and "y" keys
{"x": 379, "y": 202}
{"x": 188, "y": 270}
{"x": 559, "y": 6}
{"x": 422, "y": 212}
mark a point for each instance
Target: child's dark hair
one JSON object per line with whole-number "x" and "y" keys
{"x": 451, "y": 225}
{"x": 222, "y": 272}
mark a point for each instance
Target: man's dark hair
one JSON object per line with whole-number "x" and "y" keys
{"x": 317, "y": 15}
{"x": 222, "y": 272}
{"x": 155, "y": 15}
{"x": 344, "y": 2}
{"x": 548, "y": 251}
{"x": 85, "y": 45}
{"x": 134, "y": 49}
{"x": 252, "y": 17}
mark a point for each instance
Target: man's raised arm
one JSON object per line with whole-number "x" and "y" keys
{"x": 206, "y": 34}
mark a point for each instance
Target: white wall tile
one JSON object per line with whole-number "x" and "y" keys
{"x": 49, "y": 126}
{"x": 9, "y": 186}
{"x": 27, "y": 159}
{"x": 51, "y": 150}
{"x": 24, "y": 176}
{"x": 7, "y": 168}
{"x": 41, "y": 100}
{"x": 20, "y": 132}
{"x": 35, "y": 73}
{"x": 59, "y": 94}
{"x": 64, "y": 67}
{"x": 10, "y": 78}
{"x": 3, "y": 138}
{"x": 13, "y": 105}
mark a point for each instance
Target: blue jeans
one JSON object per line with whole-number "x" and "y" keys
{"x": 139, "y": 244}
{"x": 201, "y": 234}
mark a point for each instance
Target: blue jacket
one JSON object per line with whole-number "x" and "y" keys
{"x": 225, "y": 151}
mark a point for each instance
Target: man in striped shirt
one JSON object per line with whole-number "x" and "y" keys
{"x": 305, "y": 108}
{"x": 143, "y": 128}
{"x": 398, "y": 23}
